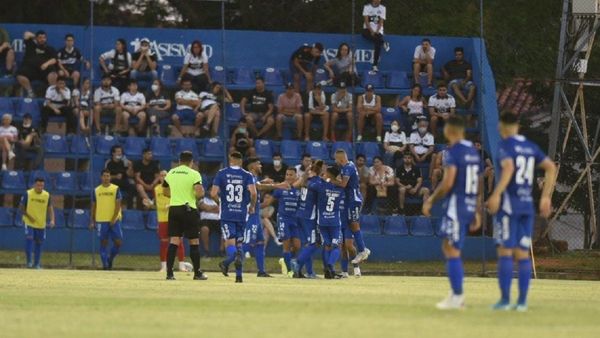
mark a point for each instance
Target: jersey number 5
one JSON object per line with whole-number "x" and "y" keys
{"x": 330, "y": 204}
{"x": 525, "y": 169}
{"x": 472, "y": 180}
{"x": 234, "y": 193}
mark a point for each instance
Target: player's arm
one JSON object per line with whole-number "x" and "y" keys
{"x": 506, "y": 173}
{"x": 442, "y": 189}
{"x": 253, "y": 197}
{"x": 549, "y": 180}
{"x": 343, "y": 183}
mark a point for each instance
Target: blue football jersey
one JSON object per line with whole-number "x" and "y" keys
{"x": 461, "y": 203}
{"x": 255, "y": 217}
{"x": 526, "y": 156}
{"x": 288, "y": 202}
{"x": 353, "y": 195}
{"x": 328, "y": 202}
{"x": 307, "y": 203}
{"x": 234, "y": 195}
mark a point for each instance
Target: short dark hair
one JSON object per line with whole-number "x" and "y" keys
{"x": 456, "y": 122}
{"x": 340, "y": 151}
{"x": 361, "y": 156}
{"x": 459, "y": 49}
{"x": 292, "y": 169}
{"x": 236, "y": 154}
{"x": 106, "y": 76}
{"x": 69, "y": 35}
{"x": 378, "y": 158}
{"x": 61, "y": 78}
{"x": 426, "y": 40}
{"x": 40, "y": 32}
{"x": 146, "y": 150}
{"x": 250, "y": 161}
{"x": 131, "y": 81}
{"x": 259, "y": 78}
{"x": 408, "y": 153}
{"x": 508, "y": 117}
{"x": 318, "y": 46}
{"x": 242, "y": 120}
{"x": 186, "y": 156}
{"x": 334, "y": 170}
{"x": 104, "y": 171}
{"x": 305, "y": 155}
{"x": 39, "y": 179}
{"x": 114, "y": 148}
{"x": 276, "y": 154}
{"x": 185, "y": 79}
{"x": 442, "y": 84}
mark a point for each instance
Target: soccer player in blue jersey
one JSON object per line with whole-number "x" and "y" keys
{"x": 348, "y": 248}
{"x": 234, "y": 190}
{"x": 512, "y": 203}
{"x": 353, "y": 202}
{"x": 461, "y": 182}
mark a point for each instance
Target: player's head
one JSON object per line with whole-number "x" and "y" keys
{"x": 306, "y": 160}
{"x": 509, "y": 124}
{"x": 38, "y": 185}
{"x": 291, "y": 175}
{"x": 162, "y": 175}
{"x": 259, "y": 83}
{"x": 454, "y": 130}
{"x": 317, "y": 167}
{"x": 186, "y": 158}
{"x": 332, "y": 172}
{"x": 254, "y": 166}
{"x": 105, "y": 178}
{"x": 341, "y": 157}
{"x": 235, "y": 159}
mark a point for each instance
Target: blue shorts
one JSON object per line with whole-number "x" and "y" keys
{"x": 454, "y": 231}
{"x": 347, "y": 233}
{"x": 233, "y": 230}
{"x": 331, "y": 235}
{"x": 512, "y": 231}
{"x": 106, "y": 232}
{"x": 353, "y": 210}
{"x": 186, "y": 115}
{"x": 309, "y": 230}
{"x": 253, "y": 234}
{"x": 287, "y": 229}
{"x": 38, "y": 235}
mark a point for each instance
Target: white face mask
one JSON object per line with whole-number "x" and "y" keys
{"x": 118, "y": 157}
{"x": 154, "y": 88}
{"x": 26, "y": 124}
{"x": 395, "y": 127}
{"x": 422, "y": 130}
{"x": 277, "y": 163}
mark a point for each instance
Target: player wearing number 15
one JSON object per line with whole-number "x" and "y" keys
{"x": 462, "y": 183}
{"x": 513, "y": 203}
{"x": 35, "y": 206}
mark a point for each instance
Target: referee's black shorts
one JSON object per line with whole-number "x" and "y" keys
{"x": 183, "y": 221}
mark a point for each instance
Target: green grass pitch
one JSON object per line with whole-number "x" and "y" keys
{"x": 71, "y": 303}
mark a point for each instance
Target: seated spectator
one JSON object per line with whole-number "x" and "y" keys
{"x": 363, "y": 173}
{"x": 241, "y": 140}
{"x": 195, "y": 68}
{"x": 441, "y": 107}
{"x": 8, "y": 137}
{"x": 133, "y": 104}
{"x": 423, "y": 61}
{"x": 107, "y": 104}
{"x": 422, "y": 142}
{"x": 120, "y": 172}
{"x": 58, "y": 103}
{"x": 261, "y": 109}
{"x": 221, "y": 93}
{"x": 209, "y": 222}
{"x": 289, "y": 110}
{"x": 304, "y": 164}
{"x": 303, "y": 63}
{"x": 158, "y": 106}
{"x": 412, "y": 105}
{"x": 395, "y": 142}
{"x": 29, "y": 142}
{"x": 81, "y": 104}
{"x": 409, "y": 181}
{"x": 316, "y": 106}
{"x": 7, "y": 54}
{"x": 342, "y": 68}
{"x": 436, "y": 170}
{"x": 187, "y": 103}
{"x": 341, "y": 107}
{"x": 488, "y": 171}
{"x": 144, "y": 62}
{"x": 69, "y": 60}
{"x": 119, "y": 64}
{"x": 381, "y": 178}
{"x": 369, "y": 109}
{"x": 458, "y": 73}
{"x": 147, "y": 175}
{"x": 211, "y": 112}
{"x": 39, "y": 61}
{"x": 275, "y": 171}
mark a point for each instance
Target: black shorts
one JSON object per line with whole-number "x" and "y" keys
{"x": 214, "y": 226}
{"x": 35, "y": 73}
{"x": 183, "y": 221}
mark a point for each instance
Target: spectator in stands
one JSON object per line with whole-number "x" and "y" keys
{"x": 58, "y": 103}
{"x": 423, "y": 61}
{"x": 119, "y": 66}
{"x": 458, "y": 73}
{"x": 7, "y": 54}
{"x": 395, "y": 142}
{"x": 81, "y": 103}
{"x": 147, "y": 175}
{"x": 133, "y": 104}
{"x": 144, "y": 61}
{"x": 39, "y": 61}
{"x": 195, "y": 68}
{"x": 422, "y": 142}
{"x": 261, "y": 109}
{"x": 409, "y": 181}
{"x": 341, "y": 107}
{"x": 8, "y": 137}
{"x": 304, "y": 164}
{"x": 381, "y": 178}
{"x": 158, "y": 106}
{"x": 120, "y": 172}
{"x": 369, "y": 109}
{"x": 289, "y": 111}
{"x": 374, "y": 15}
{"x": 275, "y": 171}
{"x": 211, "y": 112}
{"x": 221, "y": 93}
{"x": 241, "y": 140}
{"x": 363, "y": 173}
{"x": 29, "y": 142}
{"x": 436, "y": 170}
{"x": 412, "y": 105}
{"x": 187, "y": 103}
{"x": 441, "y": 107}
{"x": 342, "y": 68}
{"x": 107, "y": 104}
{"x": 488, "y": 171}
{"x": 209, "y": 223}
{"x": 69, "y": 60}
{"x": 303, "y": 62}
{"x": 316, "y": 107}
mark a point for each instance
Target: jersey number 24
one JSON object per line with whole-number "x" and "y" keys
{"x": 525, "y": 169}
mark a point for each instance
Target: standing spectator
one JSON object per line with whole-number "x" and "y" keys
{"x": 374, "y": 15}
{"x": 7, "y": 54}
{"x": 412, "y": 105}
{"x": 275, "y": 171}
{"x": 316, "y": 106}
{"x": 187, "y": 102}
{"x": 241, "y": 140}
{"x": 195, "y": 67}
{"x": 147, "y": 175}
{"x": 423, "y": 60}
{"x": 409, "y": 181}
{"x": 120, "y": 172}
{"x": 363, "y": 173}
{"x": 29, "y": 142}
{"x": 144, "y": 61}
{"x": 211, "y": 112}
{"x": 395, "y": 142}
{"x": 303, "y": 62}
{"x": 422, "y": 142}
{"x": 119, "y": 64}
{"x": 369, "y": 109}
{"x": 341, "y": 107}
{"x": 209, "y": 223}
{"x": 133, "y": 104}
{"x": 39, "y": 61}
{"x": 8, "y": 137}
{"x": 441, "y": 106}
{"x": 305, "y": 163}
{"x": 289, "y": 110}
{"x": 261, "y": 109}
{"x": 58, "y": 103}
{"x": 106, "y": 103}
{"x": 459, "y": 75}
{"x": 158, "y": 106}
{"x": 342, "y": 68}
{"x": 69, "y": 60}
{"x": 81, "y": 104}
{"x": 381, "y": 177}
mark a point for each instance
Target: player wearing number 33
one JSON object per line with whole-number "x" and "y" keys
{"x": 512, "y": 203}
{"x": 462, "y": 184}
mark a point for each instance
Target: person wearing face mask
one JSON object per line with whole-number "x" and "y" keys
{"x": 120, "y": 171}
{"x": 241, "y": 140}
{"x": 144, "y": 61}
{"x": 394, "y": 141}
{"x": 158, "y": 106}
{"x": 275, "y": 171}
{"x": 29, "y": 142}
{"x": 422, "y": 142}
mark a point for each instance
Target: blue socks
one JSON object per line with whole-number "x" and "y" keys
{"x": 505, "y": 271}
{"x": 230, "y": 250}
{"x": 524, "y": 278}
{"x": 344, "y": 264}
{"x": 324, "y": 258}
{"x": 37, "y": 253}
{"x": 104, "y": 256}
{"x": 239, "y": 264}
{"x": 114, "y": 251}
{"x": 334, "y": 255}
{"x": 309, "y": 263}
{"x": 358, "y": 240}
{"x": 455, "y": 274}
{"x": 287, "y": 258}
{"x": 259, "y": 255}
{"x": 28, "y": 249}
{"x": 305, "y": 258}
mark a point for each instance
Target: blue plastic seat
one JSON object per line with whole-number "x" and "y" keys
{"x": 244, "y": 76}
{"x": 372, "y": 78}
{"x": 40, "y": 174}
{"x": 291, "y": 151}
{"x": 66, "y": 183}
{"x": 133, "y": 220}
{"x": 18, "y": 221}
{"x": 321, "y": 75}
{"x": 395, "y": 226}
{"x": 13, "y": 180}
{"x": 59, "y": 218}
{"x": 436, "y": 223}
{"x": 27, "y": 105}
{"x": 391, "y": 114}
{"x": 398, "y": 80}
{"x": 233, "y": 113}
{"x": 80, "y": 146}
{"x": 104, "y": 143}
{"x": 421, "y": 226}
{"x": 152, "y": 220}
{"x": 7, "y": 106}
{"x": 79, "y": 219}
{"x": 273, "y": 77}
{"x": 161, "y": 148}
{"x": 87, "y": 183}
{"x": 134, "y": 146}
{"x": 6, "y": 217}
{"x": 264, "y": 150}
{"x": 168, "y": 76}
{"x": 317, "y": 150}
{"x": 55, "y": 145}
{"x": 186, "y": 144}
{"x": 370, "y": 224}
{"x": 370, "y": 150}
{"x": 213, "y": 149}
{"x": 346, "y": 146}
{"x": 219, "y": 74}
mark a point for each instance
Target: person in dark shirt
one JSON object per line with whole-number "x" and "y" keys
{"x": 146, "y": 174}
{"x": 409, "y": 181}
{"x": 303, "y": 62}
{"x": 241, "y": 140}
{"x": 144, "y": 61}
{"x": 39, "y": 61}
{"x": 120, "y": 171}
{"x": 69, "y": 60}
{"x": 275, "y": 171}
{"x": 29, "y": 142}
{"x": 487, "y": 165}
{"x": 261, "y": 109}
{"x": 459, "y": 75}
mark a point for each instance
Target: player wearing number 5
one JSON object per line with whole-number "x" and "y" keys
{"x": 35, "y": 206}
{"x": 462, "y": 183}
{"x": 513, "y": 204}
{"x": 235, "y": 192}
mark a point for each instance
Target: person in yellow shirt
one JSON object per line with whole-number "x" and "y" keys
{"x": 35, "y": 206}
{"x": 106, "y": 218}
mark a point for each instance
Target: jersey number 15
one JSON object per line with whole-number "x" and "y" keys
{"x": 472, "y": 181}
